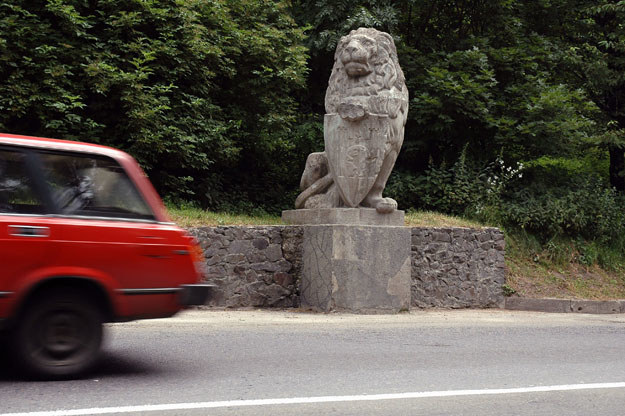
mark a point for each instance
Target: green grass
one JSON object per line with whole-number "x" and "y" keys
{"x": 435, "y": 219}
{"x": 196, "y": 217}
{"x": 560, "y": 268}
{"x": 563, "y": 268}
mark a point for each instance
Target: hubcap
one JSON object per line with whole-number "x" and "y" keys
{"x": 62, "y": 334}
{"x": 59, "y": 338}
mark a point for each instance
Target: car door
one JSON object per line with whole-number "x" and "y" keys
{"x": 107, "y": 228}
{"x": 28, "y": 233}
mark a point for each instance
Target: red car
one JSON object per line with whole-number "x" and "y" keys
{"x": 84, "y": 239}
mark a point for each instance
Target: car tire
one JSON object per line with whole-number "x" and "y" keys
{"x": 58, "y": 335}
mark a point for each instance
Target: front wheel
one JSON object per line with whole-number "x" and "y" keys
{"x": 59, "y": 335}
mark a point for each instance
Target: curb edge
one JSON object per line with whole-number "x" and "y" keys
{"x": 565, "y": 305}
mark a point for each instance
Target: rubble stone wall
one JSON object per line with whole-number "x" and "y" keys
{"x": 252, "y": 266}
{"x": 457, "y": 267}
{"x": 260, "y": 266}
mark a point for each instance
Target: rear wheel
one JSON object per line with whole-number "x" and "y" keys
{"x": 59, "y": 335}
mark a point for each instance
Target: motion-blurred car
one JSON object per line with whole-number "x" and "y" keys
{"x": 84, "y": 239}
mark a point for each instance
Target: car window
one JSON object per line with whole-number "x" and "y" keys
{"x": 17, "y": 194}
{"x": 92, "y": 186}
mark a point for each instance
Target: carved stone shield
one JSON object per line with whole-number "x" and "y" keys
{"x": 355, "y": 152}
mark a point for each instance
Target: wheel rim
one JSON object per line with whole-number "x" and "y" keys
{"x": 60, "y": 338}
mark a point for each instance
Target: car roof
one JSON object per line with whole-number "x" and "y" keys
{"x": 66, "y": 145}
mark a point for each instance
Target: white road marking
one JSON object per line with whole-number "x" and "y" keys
{"x": 322, "y": 399}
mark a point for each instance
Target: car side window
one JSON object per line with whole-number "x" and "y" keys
{"x": 93, "y": 186}
{"x": 17, "y": 194}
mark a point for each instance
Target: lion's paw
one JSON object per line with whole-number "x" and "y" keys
{"x": 386, "y": 206}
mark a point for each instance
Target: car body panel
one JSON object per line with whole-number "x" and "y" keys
{"x": 139, "y": 263}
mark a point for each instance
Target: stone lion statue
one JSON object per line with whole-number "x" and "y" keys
{"x": 366, "y": 108}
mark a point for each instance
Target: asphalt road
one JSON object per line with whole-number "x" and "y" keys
{"x": 284, "y": 363}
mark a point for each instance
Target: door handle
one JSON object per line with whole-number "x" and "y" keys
{"x": 28, "y": 231}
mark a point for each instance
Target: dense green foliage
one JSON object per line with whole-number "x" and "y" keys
{"x": 194, "y": 89}
{"x": 517, "y": 108}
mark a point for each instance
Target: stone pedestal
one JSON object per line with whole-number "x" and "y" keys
{"x": 354, "y": 267}
{"x": 360, "y": 216}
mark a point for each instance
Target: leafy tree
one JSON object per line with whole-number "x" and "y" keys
{"x": 196, "y": 90}
{"x": 596, "y": 36}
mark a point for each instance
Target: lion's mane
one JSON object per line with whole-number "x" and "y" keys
{"x": 385, "y": 79}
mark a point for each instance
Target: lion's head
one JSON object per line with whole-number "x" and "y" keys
{"x": 365, "y": 65}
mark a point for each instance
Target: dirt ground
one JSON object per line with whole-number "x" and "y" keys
{"x": 572, "y": 281}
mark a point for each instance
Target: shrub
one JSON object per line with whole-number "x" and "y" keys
{"x": 589, "y": 210}
{"x": 451, "y": 190}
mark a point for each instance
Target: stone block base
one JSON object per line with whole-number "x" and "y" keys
{"x": 356, "y": 268}
{"x": 362, "y": 216}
